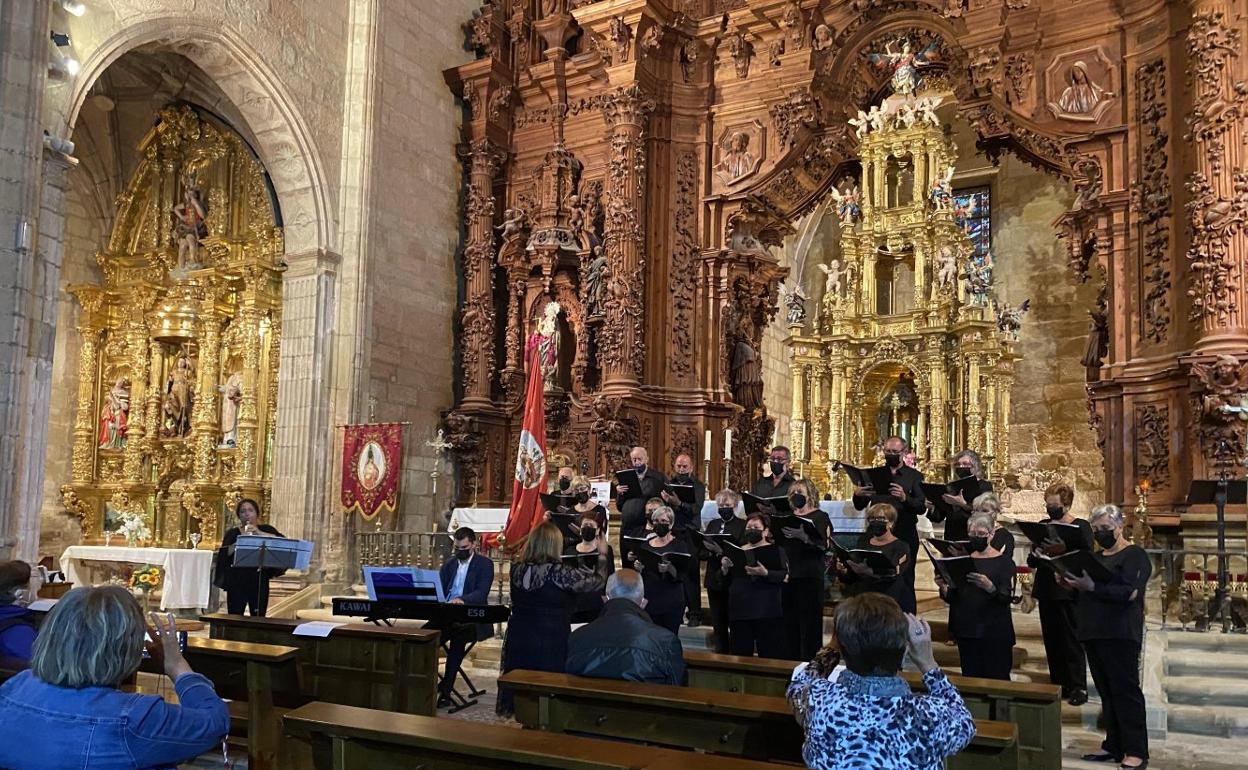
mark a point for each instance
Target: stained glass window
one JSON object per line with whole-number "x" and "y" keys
{"x": 972, "y": 209}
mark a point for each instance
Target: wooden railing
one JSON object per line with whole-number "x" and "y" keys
{"x": 425, "y": 550}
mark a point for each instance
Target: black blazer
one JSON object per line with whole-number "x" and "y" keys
{"x": 908, "y": 510}
{"x": 228, "y": 577}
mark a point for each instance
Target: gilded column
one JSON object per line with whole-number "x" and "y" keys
{"x": 204, "y": 415}
{"x": 937, "y": 442}
{"x": 990, "y": 418}
{"x": 85, "y": 438}
{"x": 797, "y": 416}
{"x": 478, "y": 312}
{"x": 249, "y": 315}
{"x": 836, "y": 415}
{"x": 136, "y": 445}
{"x": 974, "y": 418}
{"x": 622, "y": 339}
{"x": 150, "y": 411}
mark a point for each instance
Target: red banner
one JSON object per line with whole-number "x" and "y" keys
{"x": 530, "y": 479}
{"x": 371, "y": 458}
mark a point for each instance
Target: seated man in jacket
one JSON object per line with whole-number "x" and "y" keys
{"x": 623, "y": 643}
{"x": 466, "y": 579}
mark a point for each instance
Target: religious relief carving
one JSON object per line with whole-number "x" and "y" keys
{"x": 1088, "y": 182}
{"x": 1020, "y": 70}
{"x": 1214, "y": 221}
{"x": 621, "y": 37}
{"x": 1152, "y": 444}
{"x": 616, "y": 431}
{"x": 986, "y": 70}
{"x": 1152, "y": 199}
{"x": 682, "y": 280}
{"x": 651, "y": 41}
{"x": 518, "y": 27}
{"x": 683, "y": 440}
{"x": 741, "y": 151}
{"x": 1073, "y": 83}
{"x": 775, "y": 50}
{"x": 795, "y": 26}
{"x": 500, "y": 102}
{"x": 1223, "y": 408}
{"x": 799, "y": 109}
{"x": 742, "y": 51}
{"x": 688, "y": 59}
{"x": 824, "y": 39}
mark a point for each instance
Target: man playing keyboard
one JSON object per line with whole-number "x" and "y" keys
{"x": 466, "y": 579}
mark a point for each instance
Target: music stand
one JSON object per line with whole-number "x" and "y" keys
{"x": 1220, "y": 492}
{"x": 261, "y": 553}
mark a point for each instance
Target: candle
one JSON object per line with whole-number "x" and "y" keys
{"x": 728, "y": 443}
{"x": 706, "y": 453}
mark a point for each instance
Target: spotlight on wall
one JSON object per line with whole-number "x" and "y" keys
{"x": 60, "y": 38}
{"x": 72, "y": 7}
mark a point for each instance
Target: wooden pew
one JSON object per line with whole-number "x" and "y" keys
{"x": 358, "y": 664}
{"x": 759, "y": 727}
{"x": 347, "y": 738}
{"x": 1035, "y": 708}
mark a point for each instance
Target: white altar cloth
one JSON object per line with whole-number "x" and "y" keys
{"x": 479, "y": 519}
{"x": 188, "y": 573}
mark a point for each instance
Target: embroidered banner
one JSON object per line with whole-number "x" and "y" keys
{"x": 371, "y": 459}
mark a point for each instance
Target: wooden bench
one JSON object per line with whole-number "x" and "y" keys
{"x": 759, "y": 727}
{"x": 358, "y": 664}
{"x": 347, "y": 738}
{"x": 1035, "y": 708}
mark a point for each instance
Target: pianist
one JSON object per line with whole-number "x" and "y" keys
{"x": 466, "y": 579}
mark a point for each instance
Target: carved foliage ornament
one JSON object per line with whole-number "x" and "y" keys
{"x": 1214, "y": 221}
{"x": 799, "y": 109}
{"x": 1210, "y": 43}
{"x": 1152, "y": 444}
{"x": 1152, "y": 199}
{"x": 683, "y": 278}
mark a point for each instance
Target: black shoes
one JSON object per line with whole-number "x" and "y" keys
{"x": 1140, "y": 766}
{"x": 444, "y": 701}
{"x": 1100, "y": 757}
{"x": 1078, "y": 697}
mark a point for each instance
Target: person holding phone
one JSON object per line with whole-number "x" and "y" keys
{"x": 979, "y": 612}
{"x": 246, "y": 588}
{"x": 68, "y": 710}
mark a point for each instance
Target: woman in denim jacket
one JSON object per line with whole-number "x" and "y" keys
{"x": 67, "y": 711}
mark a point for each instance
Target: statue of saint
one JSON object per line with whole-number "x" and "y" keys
{"x": 747, "y": 370}
{"x": 595, "y": 282}
{"x": 180, "y": 392}
{"x": 1082, "y": 98}
{"x": 115, "y": 417}
{"x": 188, "y": 224}
{"x": 231, "y": 397}
{"x": 545, "y": 339}
{"x": 737, "y": 161}
{"x": 905, "y": 64}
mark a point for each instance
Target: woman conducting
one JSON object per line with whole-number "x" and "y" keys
{"x": 246, "y": 588}
{"x": 979, "y": 610}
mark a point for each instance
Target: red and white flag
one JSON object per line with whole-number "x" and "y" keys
{"x": 530, "y": 480}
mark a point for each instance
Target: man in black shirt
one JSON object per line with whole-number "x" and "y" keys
{"x": 905, "y": 494}
{"x": 688, "y": 516}
{"x": 632, "y": 502}
{"x": 778, "y": 483}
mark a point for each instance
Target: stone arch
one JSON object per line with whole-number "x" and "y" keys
{"x": 282, "y": 137}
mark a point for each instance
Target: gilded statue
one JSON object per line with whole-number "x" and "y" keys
{"x": 179, "y": 397}
{"x": 189, "y": 225}
{"x": 545, "y": 340}
{"x": 115, "y": 417}
{"x": 232, "y": 396}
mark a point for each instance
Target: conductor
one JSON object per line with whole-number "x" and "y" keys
{"x": 244, "y": 589}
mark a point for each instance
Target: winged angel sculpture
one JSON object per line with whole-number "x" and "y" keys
{"x": 1226, "y": 383}
{"x": 905, "y": 64}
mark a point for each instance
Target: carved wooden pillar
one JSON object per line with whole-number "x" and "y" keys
{"x": 1218, "y": 183}
{"x": 478, "y": 313}
{"x": 626, "y": 112}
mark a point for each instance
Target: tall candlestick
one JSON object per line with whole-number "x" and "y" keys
{"x": 728, "y": 443}
{"x": 706, "y": 453}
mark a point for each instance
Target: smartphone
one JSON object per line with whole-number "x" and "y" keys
{"x": 147, "y": 636}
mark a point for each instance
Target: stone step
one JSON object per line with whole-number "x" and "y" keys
{"x": 1207, "y": 641}
{"x": 1222, "y": 721}
{"x": 1207, "y": 691}
{"x": 1192, "y": 663}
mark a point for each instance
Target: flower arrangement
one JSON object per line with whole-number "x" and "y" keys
{"x": 144, "y": 580}
{"x": 132, "y": 526}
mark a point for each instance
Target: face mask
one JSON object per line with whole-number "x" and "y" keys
{"x": 662, "y": 528}
{"x": 777, "y": 469}
{"x": 588, "y": 534}
{"x": 727, "y": 514}
{"x": 1105, "y": 538}
{"x": 582, "y": 497}
{"x": 892, "y": 461}
{"x": 798, "y": 501}
{"x": 753, "y": 536}
{"x": 1054, "y": 511}
{"x": 640, "y": 468}
{"x": 564, "y": 483}
{"x": 876, "y": 528}
{"x": 962, "y": 473}
{"x": 681, "y": 477}
{"x": 977, "y": 544}
{"x": 463, "y": 554}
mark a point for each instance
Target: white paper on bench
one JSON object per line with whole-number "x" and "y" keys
{"x": 319, "y": 628}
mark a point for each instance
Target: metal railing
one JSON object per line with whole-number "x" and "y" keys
{"x": 1188, "y": 581}
{"x": 424, "y": 550}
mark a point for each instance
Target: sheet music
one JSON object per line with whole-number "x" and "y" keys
{"x": 318, "y": 628}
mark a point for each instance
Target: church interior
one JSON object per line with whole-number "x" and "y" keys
{"x": 338, "y": 260}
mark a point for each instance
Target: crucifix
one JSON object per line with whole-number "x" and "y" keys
{"x": 439, "y": 445}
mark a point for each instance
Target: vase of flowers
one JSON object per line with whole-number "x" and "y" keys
{"x": 143, "y": 581}
{"x": 132, "y": 526}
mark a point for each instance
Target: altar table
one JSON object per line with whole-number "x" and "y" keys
{"x": 187, "y": 572}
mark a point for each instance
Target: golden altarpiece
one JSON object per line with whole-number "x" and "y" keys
{"x": 905, "y": 341}
{"x": 177, "y": 370}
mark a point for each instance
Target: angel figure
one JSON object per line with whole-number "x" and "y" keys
{"x": 941, "y": 193}
{"x": 860, "y": 124}
{"x": 848, "y": 204}
{"x": 1226, "y": 383}
{"x": 978, "y": 277}
{"x": 513, "y": 223}
{"x": 1010, "y": 319}
{"x": 876, "y": 118}
{"x": 795, "y": 304}
{"x": 832, "y": 281}
{"x": 925, "y": 108}
{"x": 905, "y": 64}
{"x": 946, "y": 266}
{"x": 907, "y": 116}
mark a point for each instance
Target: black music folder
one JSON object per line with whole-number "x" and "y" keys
{"x": 1076, "y": 563}
{"x": 1039, "y": 531}
{"x": 628, "y": 478}
{"x": 568, "y": 523}
{"x": 948, "y": 548}
{"x": 779, "y": 504}
{"x": 880, "y": 565}
{"x": 557, "y": 502}
{"x": 759, "y": 556}
{"x": 781, "y": 522}
{"x": 682, "y": 491}
{"x": 651, "y": 558}
{"x": 581, "y": 559}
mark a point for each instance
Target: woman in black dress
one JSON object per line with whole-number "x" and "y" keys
{"x": 755, "y": 607}
{"x": 588, "y": 604}
{"x": 979, "y": 610}
{"x": 1001, "y": 538}
{"x": 1109, "y": 620}
{"x": 543, "y": 594}
{"x": 246, "y": 588}
{"x": 665, "y": 591}
{"x": 957, "y": 511}
{"x": 716, "y": 587}
{"x": 804, "y": 591}
{"x": 580, "y": 489}
{"x": 858, "y": 578}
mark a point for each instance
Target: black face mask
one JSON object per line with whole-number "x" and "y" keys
{"x": 1055, "y": 511}
{"x": 727, "y": 514}
{"x": 641, "y": 469}
{"x": 564, "y": 483}
{"x": 876, "y": 528}
{"x": 976, "y": 544}
{"x": 798, "y": 501}
{"x": 753, "y": 536}
{"x": 681, "y": 477}
{"x": 962, "y": 473}
{"x": 582, "y": 497}
{"x": 777, "y": 469}
{"x": 892, "y": 460}
{"x": 463, "y": 554}
{"x": 662, "y": 528}
{"x": 1105, "y": 538}
{"x": 588, "y": 534}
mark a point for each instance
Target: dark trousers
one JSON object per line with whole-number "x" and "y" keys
{"x": 766, "y": 637}
{"x": 693, "y": 590}
{"x": 718, "y": 603}
{"x": 457, "y": 638}
{"x": 1068, "y": 666}
{"x": 669, "y": 620}
{"x": 986, "y": 658}
{"x": 250, "y": 595}
{"x": 1115, "y": 665}
{"x": 802, "y": 600}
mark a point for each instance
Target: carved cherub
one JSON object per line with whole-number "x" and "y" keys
{"x": 941, "y": 193}
{"x": 925, "y": 108}
{"x": 514, "y": 221}
{"x": 860, "y": 124}
{"x": 906, "y": 115}
{"x": 947, "y": 266}
{"x": 1010, "y": 319}
{"x": 832, "y": 283}
{"x": 1226, "y": 381}
{"x": 876, "y": 118}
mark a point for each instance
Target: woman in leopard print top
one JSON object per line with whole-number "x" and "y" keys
{"x": 867, "y": 719}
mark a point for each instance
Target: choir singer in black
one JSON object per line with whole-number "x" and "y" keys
{"x": 956, "y": 510}
{"x": 804, "y": 591}
{"x": 979, "y": 604}
{"x": 631, "y": 500}
{"x": 781, "y": 478}
{"x": 755, "y": 608}
{"x": 688, "y": 516}
{"x": 905, "y": 493}
{"x": 733, "y": 528}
